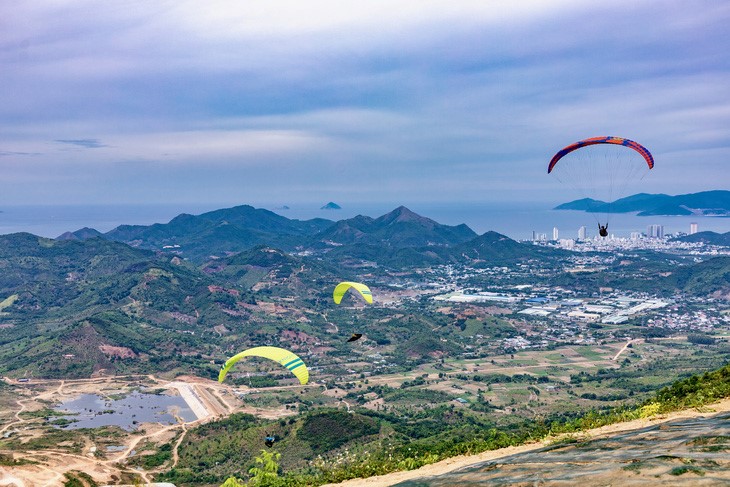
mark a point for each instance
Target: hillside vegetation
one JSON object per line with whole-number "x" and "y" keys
{"x": 74, "y": 307}
{"x": 365, "y": 444}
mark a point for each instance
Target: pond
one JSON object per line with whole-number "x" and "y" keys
{"x": 128, "y": 412}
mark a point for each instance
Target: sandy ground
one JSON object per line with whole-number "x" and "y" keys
{"x": 203, "y": 397}
{"x": 451, "y": 464}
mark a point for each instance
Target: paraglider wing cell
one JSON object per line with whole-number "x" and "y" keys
{"x": 286, "y": 358}
{"x": 343, "y": 287}
{"x": 603, "y": 140}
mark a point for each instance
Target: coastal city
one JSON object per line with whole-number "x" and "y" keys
{"x": 546, "y": 312}
{"x": 653, "y": 239}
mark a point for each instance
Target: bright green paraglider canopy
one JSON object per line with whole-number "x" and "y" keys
{"x": 288, "y": 359}
{"x": 343, "y": 287}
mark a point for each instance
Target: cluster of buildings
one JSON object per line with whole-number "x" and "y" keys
{"x": 664, "y": 245}
{"x": 555, "y": 314}
{"x": 612, "y": 310}
{"x": 478, "y": 297}
{"x": 695, "y": 320}
{"x": 652, "y": 231}
{"x": 608, "y": 310}
{"x": 569, "y": 320}
{"x": 655, "y": 240}
{"x": 544, "y": 314}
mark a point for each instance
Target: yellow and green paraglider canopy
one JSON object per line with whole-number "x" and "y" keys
{"x": 288, "y": 359}
{"x": 343, "y": 287}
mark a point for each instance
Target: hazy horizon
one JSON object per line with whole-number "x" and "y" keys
{"x": 516, "y": 219}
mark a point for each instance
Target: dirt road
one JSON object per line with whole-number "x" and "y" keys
{"x": 54, "y": 462}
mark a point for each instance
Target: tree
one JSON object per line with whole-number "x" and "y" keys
{"x": 232, "y": 482}
{"x": 268, "y": 472}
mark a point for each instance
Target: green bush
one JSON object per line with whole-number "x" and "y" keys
{"x": 328, "y": 430}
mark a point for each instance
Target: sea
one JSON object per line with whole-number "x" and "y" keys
{"x": 517, "y": 220}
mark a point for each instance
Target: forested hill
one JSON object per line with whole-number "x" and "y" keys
{"x": 710, "y": 238}
{"x": 708, "y": 278}
{"x": 99, "y": 301}
{"x": 399, "y": 228}
{"x": 220, "y": 232}
{"x": 705, "y": 203}
{"x": 397, "y": 239}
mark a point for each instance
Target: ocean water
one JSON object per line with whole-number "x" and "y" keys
{"x": 51, "y": 221}
{"x": 519, "y": 220}
{"x": 516, "y": 220}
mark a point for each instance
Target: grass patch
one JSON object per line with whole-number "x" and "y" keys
{"x": 7, "y": 460}
{"x": 677, "y": 471}
{"x": 7, "y": 302}
{"x": 43, "y": 413}
{"x": 589, "y": 353}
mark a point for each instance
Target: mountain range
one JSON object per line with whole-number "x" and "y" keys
{"x": 705, "y": 203}
{"x": 103, "y": 301}
{"x": 400, "y": 237}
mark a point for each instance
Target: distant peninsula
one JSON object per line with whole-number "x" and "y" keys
{"x": 705, "y": 203}
{"x": 331, "y": 206}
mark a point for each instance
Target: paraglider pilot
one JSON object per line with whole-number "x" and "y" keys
{"x": 269, "y": 441}
{"x": 603, "y": 230}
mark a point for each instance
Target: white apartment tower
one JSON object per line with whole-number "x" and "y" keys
{"x": 655, "y": 231}
{"x": 692, "y": 228}
{"x": 582, "y": 233}
{"x": 555, "y": 233}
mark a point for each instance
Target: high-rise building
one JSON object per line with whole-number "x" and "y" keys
{"x": 655, "y": 231}
{"x": 635, "y": 235}
{"x": 555, "y": 233}
{"x": 692, "y": 228}
{"x": 582, "y": 233}
{"x": 566, "y": 243}
{"x": 534, "y": 236}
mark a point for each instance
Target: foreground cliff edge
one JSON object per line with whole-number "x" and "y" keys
{"x": 453, "y": 464}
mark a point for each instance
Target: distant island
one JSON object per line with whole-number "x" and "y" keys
{"x": 331, "y": 206}
{"x": 705, "y": 203}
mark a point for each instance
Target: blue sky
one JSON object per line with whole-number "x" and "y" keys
{"x": 288, "y": 102}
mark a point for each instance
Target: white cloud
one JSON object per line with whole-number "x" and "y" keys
{"x": 385, "y": 97}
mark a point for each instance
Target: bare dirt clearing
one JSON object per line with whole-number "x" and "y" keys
{"x": 48, "y": 463}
